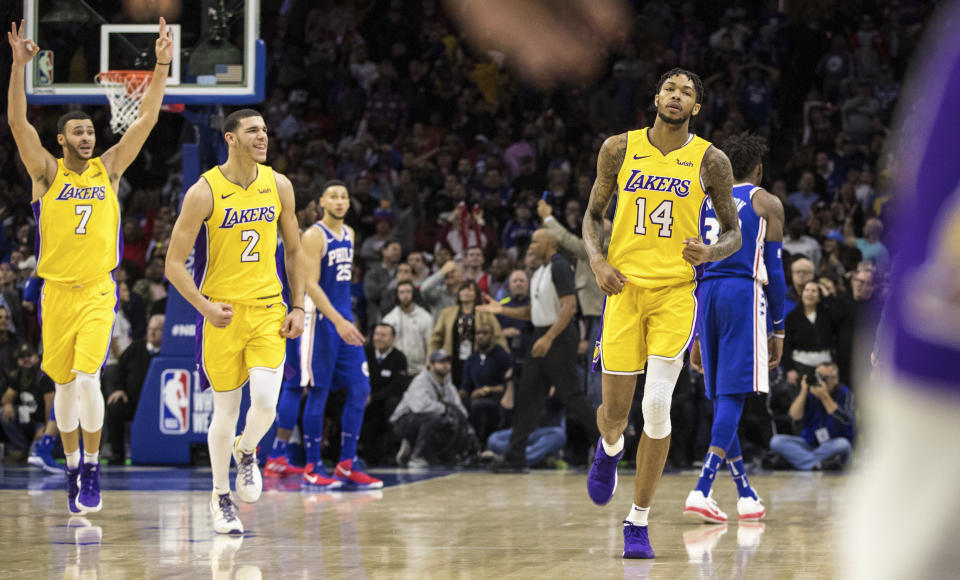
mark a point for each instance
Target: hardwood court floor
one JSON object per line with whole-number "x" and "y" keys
{"x": 455, "y": 525}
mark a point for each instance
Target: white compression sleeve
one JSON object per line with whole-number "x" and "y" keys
{"x": 264, "y": 393}
{"x": 657, "y": 394}
{"x": 220, "y": 435}
{"x": 91, "y": 402}
{"x": 66, "y": 407}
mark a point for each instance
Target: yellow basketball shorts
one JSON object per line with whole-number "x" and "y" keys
{"x": 644, "y": 322}
{"x": 251, "y": 340}
{"x": 77, "y": 325}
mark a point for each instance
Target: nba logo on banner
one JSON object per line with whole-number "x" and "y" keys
{"x": 45, "y": 67}
{"x": 175, "y": 401}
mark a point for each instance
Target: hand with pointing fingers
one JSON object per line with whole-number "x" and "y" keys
{"x": 23, "y": 49}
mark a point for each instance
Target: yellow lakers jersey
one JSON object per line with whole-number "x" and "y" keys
{"x": 235, "y": 257}
{"x": 78, "y": 226}
{"x": 658, "y": 206}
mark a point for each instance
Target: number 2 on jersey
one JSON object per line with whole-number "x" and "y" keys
{"x": 251, "y": 237}
{"x": 661, "y": 216}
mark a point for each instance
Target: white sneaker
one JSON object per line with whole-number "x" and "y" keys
{"x": 703, "y": 508}
{"x": 249, "y": 483}
{"x": 751, "y": 508}
{"x": 225, "y": 518}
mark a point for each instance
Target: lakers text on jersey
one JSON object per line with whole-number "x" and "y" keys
{"x": 660, "y": 199}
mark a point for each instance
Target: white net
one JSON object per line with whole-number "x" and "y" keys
{"x": 124, "y": 90}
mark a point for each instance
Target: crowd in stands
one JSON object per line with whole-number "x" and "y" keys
{"x": 447, "y": 155}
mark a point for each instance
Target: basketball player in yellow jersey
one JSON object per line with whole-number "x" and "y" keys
{"x": 233, "y": 213}
{"x": 663, "y": 176}
{"x": 78, "y": 228}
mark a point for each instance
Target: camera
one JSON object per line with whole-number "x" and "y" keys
{"x": 813, "y": 379}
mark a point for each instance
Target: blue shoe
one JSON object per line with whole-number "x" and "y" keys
{"x": 89, "y": 498}
{"x": 73, "y": 490}
{"x": 602, "y": 477}
{"x": 42, "y": 457}
{"x": 636, "y": 543}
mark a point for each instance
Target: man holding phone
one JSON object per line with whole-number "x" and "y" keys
{"x": 825, "y": 410}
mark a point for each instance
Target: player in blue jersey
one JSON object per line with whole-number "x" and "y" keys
{"x": 294, "y": 375}
{"x": 337, "y": 360}
{"x": 734, "y": 296}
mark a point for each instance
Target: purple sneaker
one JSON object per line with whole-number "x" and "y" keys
{"x": 602, "y": 477}
{"x": 89, "y": 497}
{"x": 636, "y": 543}
{"x": 73, "y": 490}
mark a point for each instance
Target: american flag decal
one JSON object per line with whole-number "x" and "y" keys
{"x": 229, "y": 73}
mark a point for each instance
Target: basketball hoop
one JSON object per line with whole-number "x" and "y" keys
{"x": 125, "y": 90}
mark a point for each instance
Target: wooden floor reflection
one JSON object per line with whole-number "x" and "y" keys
{"x": 462, "y": 525}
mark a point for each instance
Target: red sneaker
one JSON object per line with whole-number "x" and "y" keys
{"x": 318, "y": 480}
{"x": 354, "y": 477}
{"x": 280, "y": 467}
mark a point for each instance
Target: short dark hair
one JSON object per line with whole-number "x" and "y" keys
{"x": 232, "y": 121}
{"x": 393, "y": 331}
{"x": 745, "y": 152}
{"x": 477, "y": 295}
{"x": 697, "y": 83}
{"x": 333, "y": 183}
{"x": 71, "y": 116}
{"x": 406, "y": 283}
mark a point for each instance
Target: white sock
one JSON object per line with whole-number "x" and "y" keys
{"x": 91, "y": 457}
{"x": 73, "y": 459}
{"x": 638, "y": 515}
{"x": 612, "y": 450}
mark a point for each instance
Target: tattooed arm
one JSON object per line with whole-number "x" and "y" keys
{"x": 609, "y": 161}
{"x": 718, "y": 180}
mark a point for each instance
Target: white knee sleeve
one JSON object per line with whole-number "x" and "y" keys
{"x": 91, "y": 402}
{"x": 66, "y": 407}
{"x": 265, "y": 387}
{"x": 657, "y": 394}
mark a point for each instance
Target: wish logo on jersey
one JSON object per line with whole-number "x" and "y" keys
{"x": 639, "y": 180}
{"x": 71, "y": 192}
{"x": 233, "y": 217}
{"x": 174, "y": 401}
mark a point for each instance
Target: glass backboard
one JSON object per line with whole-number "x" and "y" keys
{"x": 219, "y": 57}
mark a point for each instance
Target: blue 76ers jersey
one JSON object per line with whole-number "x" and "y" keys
{"x": 336, "y": 269}
{"x": 747, "y": 262}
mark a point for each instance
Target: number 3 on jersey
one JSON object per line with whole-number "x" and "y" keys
{"x": 661, "y": 216}
{"x": 711, "y": 230}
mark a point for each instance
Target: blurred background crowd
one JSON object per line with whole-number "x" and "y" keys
{"x": 452, "y": 162}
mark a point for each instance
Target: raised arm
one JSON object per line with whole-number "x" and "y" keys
{"x": 293, "y": 257}
{"x": 120, "y": 156}
{"x": 717, "y": 177}
{"x": 40, "y": 164}
{"x": 314, "y": 247}
{"x": 609, "y": 161}
{"x": 197, "y": 207}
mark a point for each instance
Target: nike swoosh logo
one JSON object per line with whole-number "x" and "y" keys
{"x": 104, "y": 293}
{"x": 638, "y": 157}
{"x": 345, "y": 473}
{"x": 226, "y": 196}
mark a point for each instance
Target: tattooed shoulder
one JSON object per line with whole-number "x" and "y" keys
{"x": 611, "y": 155}
{"x": 716, "y": 171}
